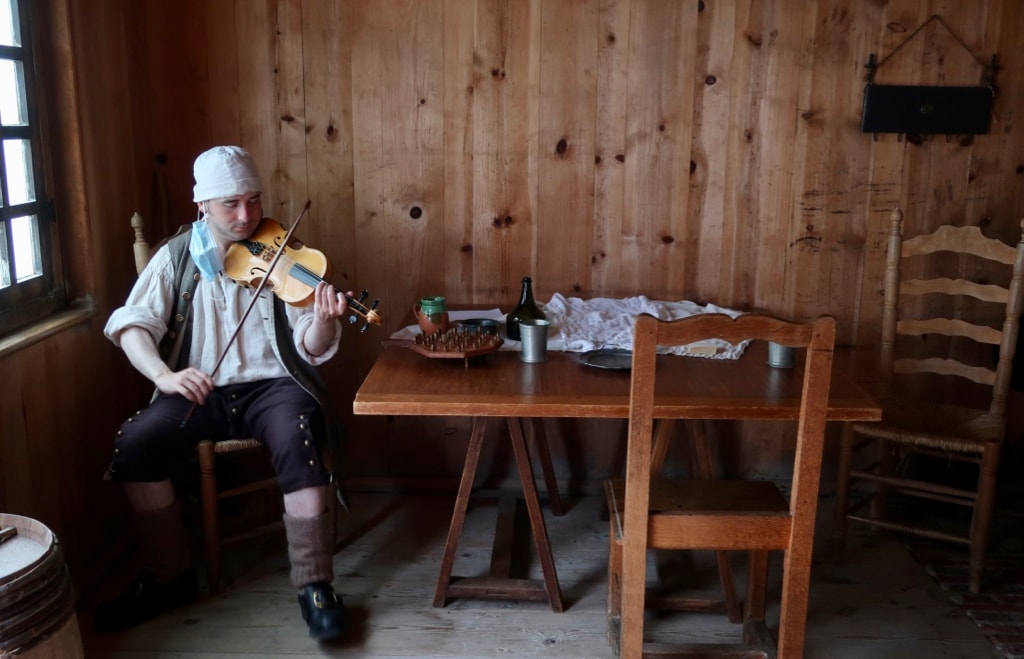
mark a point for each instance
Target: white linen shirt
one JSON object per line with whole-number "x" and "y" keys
{"x": 217, "y": 309}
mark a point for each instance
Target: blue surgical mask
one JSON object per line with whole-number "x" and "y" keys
{"x": 204, "y": 250}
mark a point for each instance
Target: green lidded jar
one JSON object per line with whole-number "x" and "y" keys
{"x": 526, "y": 310}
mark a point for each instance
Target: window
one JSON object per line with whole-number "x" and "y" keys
{"x": 29, "y": 286}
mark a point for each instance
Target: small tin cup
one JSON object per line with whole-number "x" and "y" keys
{"x": 534, "y": 334}
{"x": 780, "y": 356}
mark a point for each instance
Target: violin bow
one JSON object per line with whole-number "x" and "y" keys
{"x": 252, "y": 301}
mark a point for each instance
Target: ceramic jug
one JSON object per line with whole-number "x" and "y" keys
{"x": 431, "y": 314}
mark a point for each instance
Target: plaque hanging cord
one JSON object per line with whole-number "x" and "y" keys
{"x": 990, "y": 69}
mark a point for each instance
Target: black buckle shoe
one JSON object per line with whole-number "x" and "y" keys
{"x": 143, "y": 600}
{"x": 323, "y": 611}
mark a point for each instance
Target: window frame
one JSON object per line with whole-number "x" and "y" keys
{"x": 27, "y": 302}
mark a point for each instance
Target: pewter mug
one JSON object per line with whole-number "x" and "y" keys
{"x": 534, "y": 335}
{"x": 780, "y": 356}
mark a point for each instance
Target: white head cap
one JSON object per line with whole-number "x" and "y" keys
{"x": 225, "y": 171}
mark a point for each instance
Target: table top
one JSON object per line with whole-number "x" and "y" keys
{"x": 404, "y": 382}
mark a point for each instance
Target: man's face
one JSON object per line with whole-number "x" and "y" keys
{"x": 234, "y": 218}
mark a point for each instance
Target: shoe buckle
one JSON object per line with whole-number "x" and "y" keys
{"x": 318, "y": 599}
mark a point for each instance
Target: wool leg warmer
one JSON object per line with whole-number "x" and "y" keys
{"x": 310, "y": 548}
{"x": 164, "y": 542}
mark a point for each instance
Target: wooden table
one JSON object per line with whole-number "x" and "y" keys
{"x": 403, "y": 382}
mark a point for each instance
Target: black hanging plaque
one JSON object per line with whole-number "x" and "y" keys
{"x": 924, "y": 110}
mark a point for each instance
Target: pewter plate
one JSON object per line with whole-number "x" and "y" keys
{"x": 614, "y": 359}
{"x": 480, "y": 325}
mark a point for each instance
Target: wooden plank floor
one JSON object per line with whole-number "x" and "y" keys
{"x": 879, "y": 603}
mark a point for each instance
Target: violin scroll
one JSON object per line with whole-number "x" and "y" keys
{"x": 370, "y": 314}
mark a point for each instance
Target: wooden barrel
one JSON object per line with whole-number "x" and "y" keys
{"x": 37, "y": 600}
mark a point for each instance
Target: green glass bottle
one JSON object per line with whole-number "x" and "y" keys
{"x": 526, "y": 310}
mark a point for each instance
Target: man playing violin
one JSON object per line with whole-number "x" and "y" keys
{"x": 178, "y": 328}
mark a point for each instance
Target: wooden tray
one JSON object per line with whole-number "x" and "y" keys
{"x": 455, "y": 343}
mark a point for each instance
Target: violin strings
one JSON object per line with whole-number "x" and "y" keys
{"x": 310, "y": 278}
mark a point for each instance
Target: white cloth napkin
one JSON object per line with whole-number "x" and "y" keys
{"x": 608, "y": 323}
{"x": 580, "y": 325}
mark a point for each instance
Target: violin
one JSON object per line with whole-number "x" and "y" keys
{"x": 297, "y": 272}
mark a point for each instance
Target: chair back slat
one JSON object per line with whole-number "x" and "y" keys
{"x": 950, "y": 327}
{"x": 936, "y": 366}
{"x": 946, "y": 286}
{"x": 961, "y": 240}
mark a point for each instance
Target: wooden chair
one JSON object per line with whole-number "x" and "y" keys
{"x": 209, "y": 454}
{"x": 931, "y": 365}
{"x": 649, "y": 513}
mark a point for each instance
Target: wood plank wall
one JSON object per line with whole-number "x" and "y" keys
{"x": 685, "y": 149}
{"x": 679, "y": 149}
{"x": 674, "y": 148}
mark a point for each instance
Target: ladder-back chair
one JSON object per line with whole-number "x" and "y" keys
{"x": 209, "y": 454}
{"x": 948, "y": 340}
{"x": 646, "y": 512}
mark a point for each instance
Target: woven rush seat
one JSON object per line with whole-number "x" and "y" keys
{"x": 232, "y": 445}
{"x": 946, "y": 428}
